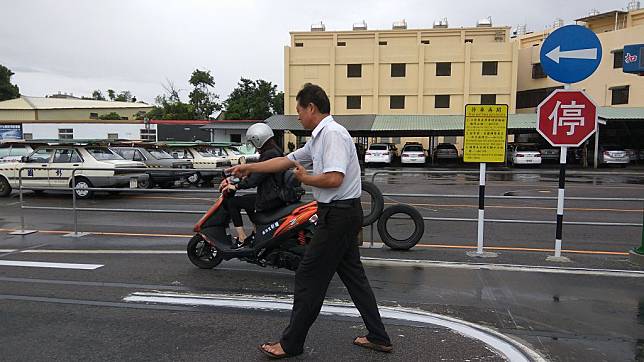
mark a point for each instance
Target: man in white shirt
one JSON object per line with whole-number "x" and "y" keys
{"x": 337, "y": 188}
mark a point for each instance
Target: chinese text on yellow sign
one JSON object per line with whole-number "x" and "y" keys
{"x": 485, "y": 133}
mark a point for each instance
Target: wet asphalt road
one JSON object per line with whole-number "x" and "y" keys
{"x": 591, "y": 237}
{"x": 62, "y": 314}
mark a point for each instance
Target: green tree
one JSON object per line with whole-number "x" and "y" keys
{"x": 254, "y": 100}
{"x": 110, "y": 116}
{"x": 124, "y": 96}
{"x": 170, "y": 106}
{"x": 202, "y": 99}
{"x": 111, "y": 94}
{"x": 98, "y": 95}
{"x": 7, "y": 90}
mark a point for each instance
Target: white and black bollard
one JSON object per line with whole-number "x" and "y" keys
{"x": 563, "y": 153}
{"x": 481, "y": 224}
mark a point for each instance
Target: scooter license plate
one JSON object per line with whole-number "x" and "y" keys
{"x": 134, "y": 183}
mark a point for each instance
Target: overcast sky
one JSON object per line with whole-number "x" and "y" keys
{"x": 80, "y": 45}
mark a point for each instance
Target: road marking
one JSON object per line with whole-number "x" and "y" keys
{"x": 505, "y": 345}
{"x": 37, "y": 264}
{"x": 576, "y": 251}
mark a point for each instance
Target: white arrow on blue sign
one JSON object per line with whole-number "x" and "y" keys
{"x": 571, "y": 54}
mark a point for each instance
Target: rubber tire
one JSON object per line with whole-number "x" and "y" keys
{"x": 196, "y": 256}
{"x": 89, "y": 192}
{"x": 413, "y": 239}
{"x": 378, "y": 203}
{"x": 147, "y": 184}
{"x": 5, "y": 187}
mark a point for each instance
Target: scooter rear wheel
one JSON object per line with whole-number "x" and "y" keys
{"x": 202, "y": 254}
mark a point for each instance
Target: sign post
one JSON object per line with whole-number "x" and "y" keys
{"x": 567, "y": 118}
{"x": 485, "y": 141}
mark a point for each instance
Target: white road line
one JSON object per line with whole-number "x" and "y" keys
{"x": 37, "y": 264}
{"x": 387, "y": 262}
{"x": 506, "y": 346}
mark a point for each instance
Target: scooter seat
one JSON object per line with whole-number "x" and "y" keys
{"x": 265, "y": 218}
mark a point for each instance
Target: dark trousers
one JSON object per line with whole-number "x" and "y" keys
{"x": 235, "y": 204}
{"x": 333, "y": 249}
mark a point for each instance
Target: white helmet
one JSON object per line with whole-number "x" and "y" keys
{"x": 258, "y": 134}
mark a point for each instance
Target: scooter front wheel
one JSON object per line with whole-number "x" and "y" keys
{"x": 202, "y": 254}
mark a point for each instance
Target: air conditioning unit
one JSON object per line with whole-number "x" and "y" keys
{"x": 441, "y": 23}
{"x": 399, "y": 25}
{"x": 360, "y": 26}
{"x": 484, "y": 23}
{"x": 318, "y": 26}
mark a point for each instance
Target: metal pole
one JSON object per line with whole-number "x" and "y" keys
{"x": 640, "y": 250}
{"x": 22, "y": 230}
{"x": 75, "y": 234}
{"x": 481, "y": 219}
{"x": 595, "y": 155}
{"x": 560, "y": 206}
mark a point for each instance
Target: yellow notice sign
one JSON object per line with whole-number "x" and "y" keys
{"x": 486, "y": 129}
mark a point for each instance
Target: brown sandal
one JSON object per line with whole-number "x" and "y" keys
{"x": 375, "y": 346}
{"x": 271, "y": 354}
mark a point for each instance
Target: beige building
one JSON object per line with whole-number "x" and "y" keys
{"x": 41, "y": 109}
{"x": 426, "y": 71}
{"x": 609, "y": 86}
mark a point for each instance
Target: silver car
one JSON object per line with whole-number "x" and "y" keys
{"x": 613, "y": 154}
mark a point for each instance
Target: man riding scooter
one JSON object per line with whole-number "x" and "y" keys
{"x": 261, "y": 137}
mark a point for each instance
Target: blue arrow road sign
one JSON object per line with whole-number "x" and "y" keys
{"x": 571, "y": 54}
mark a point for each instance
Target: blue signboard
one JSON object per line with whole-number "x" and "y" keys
{"x": 634, "y": 58}
{"x": 10, "y": 132}
{"x": 571, "y": 54}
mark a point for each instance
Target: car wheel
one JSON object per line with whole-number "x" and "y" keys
{"x": 146, "y": 184}
{"x": 194, "y": 178}
{"x": 80, "y": 188}
{"x": 5, "y": 187}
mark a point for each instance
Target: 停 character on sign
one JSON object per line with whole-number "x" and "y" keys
{"x": 570, "y": 117}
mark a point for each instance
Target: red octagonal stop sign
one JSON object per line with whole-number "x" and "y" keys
{"x": 567, "y": 118}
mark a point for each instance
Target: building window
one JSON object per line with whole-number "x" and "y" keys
{"x": 490, "y": 68}
{"x": 65, "y": 133}
{"x": 537, "y": 71}
{"x": 28, "y": 136}
{"x": 148, "y": 134}
{"x": 235, "y": 137}
{"x": 424, "y": 41}
{"x": 469, "y": 40}
{"x": 354, "y": 102}
{"x": 488, "y": 98}
{"x": 531, "y": 98}
{"x": 382, "y": 43}
{"x": 443, "y": 69}
{"x": 396, "y": 102}
{"x": 441, "y": 101}
{"x": 398, "y": 70}
{"x": 618, "y": 59}
{"x": 93, "y": 116}
{"x": 342, "y": 43}
{"x": 299, "y": 45}
{"x": 354, "y": 70}
{"x": 112, "y": 136}
{"x": 620, "y": 95}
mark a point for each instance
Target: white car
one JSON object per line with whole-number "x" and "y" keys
{"x": 613, "y": 154}
{"x": 413, "y": 154}
{"x": 229, "y": 152}
{"x": 12, "y": 151}
{"x": 379, "y": 153}
{"x": 204, "y": 162}
{"x": 525, "y": 155}
{"x": 53, "y": 166}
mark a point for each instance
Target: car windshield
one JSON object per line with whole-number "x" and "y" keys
{"x": 205, "y": 153}
{"x": 103, "y": 154}
{"x": 160, "y": 154}
{"x": 613, "y": 148}
{"x": 233, "y": 151}
{"x": 378, "y": 147}
{"x": 527, "y": 148}
{"x": 446, "y": 146}
{"x": 246, "y": 149}
{"x": 413, "y": 149}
